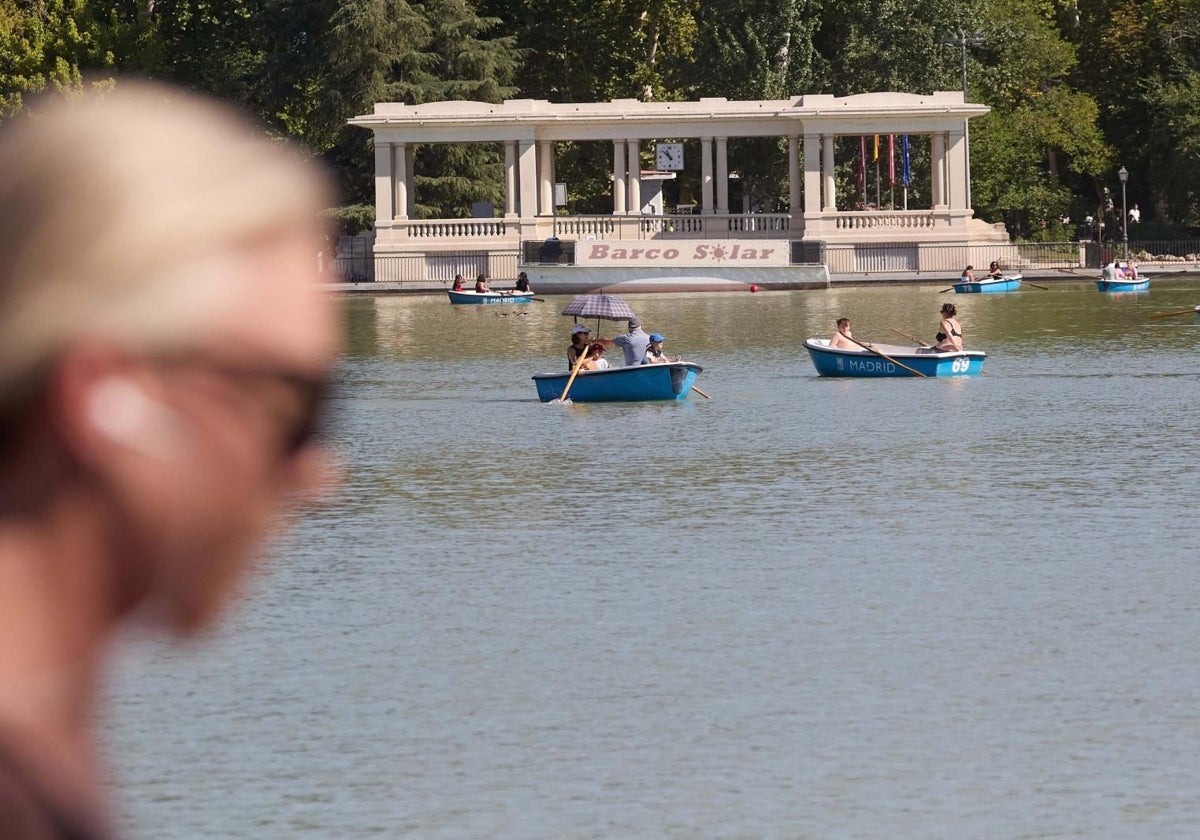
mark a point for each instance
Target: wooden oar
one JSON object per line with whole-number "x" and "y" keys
{"x": 701, "y": 393}
{"x": 909, "y": 337}
{"x": 1191, "y": 311}
{"x": 943, "y": 291}
{"x": 578, "y": 364}
{"x": 1035, "y": 285}
{"x": 886, "y": 356}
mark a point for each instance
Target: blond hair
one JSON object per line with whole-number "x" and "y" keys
{"x": 120, "y": 212}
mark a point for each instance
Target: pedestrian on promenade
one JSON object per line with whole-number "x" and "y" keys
{"x": 162, "y": 351}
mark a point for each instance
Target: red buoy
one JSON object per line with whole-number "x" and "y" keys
{"x": 753, "y": 287}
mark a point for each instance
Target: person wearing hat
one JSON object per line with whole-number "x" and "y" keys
{"x": 581, "y": 338}
{"x": 595, "y": 358}
{"x": 633, "y": 343}
{"x": 654, "y": 353}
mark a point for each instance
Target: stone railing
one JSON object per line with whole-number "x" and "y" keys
{"x": 457, "y": 229}
{"x": 885, "y": 220}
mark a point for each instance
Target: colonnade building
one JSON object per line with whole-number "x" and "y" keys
{"x": 643, "y": 240}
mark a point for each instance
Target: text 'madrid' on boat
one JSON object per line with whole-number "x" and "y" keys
{"x": 472, "y": 296}
{"x": 892, "y": 360}
{"x": 635, "y": 383}
{"x": 988, "y": 285}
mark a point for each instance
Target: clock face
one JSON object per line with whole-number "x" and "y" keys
{"x": 669, "y": 156}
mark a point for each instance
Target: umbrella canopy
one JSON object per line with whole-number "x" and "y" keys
{"x": 609, "y": 307}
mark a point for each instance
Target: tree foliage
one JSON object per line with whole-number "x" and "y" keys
{"x": 1076, "y": 87}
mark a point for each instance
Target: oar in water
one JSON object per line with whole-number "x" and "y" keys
{"x": 701, "y": 393}
{"x": 943, "y": 291}
{"x": 910, "y": 337}
{"x": 571, "y": 379}
{"x": 1192, "y": 311}
{"x": 1035, "y": 285}
{"x": 886, "y": 356}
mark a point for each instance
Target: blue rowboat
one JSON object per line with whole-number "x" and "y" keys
{"x": 488, "y": 297}
{"x": 839, "y": 362}
{"x": 637, "y": 383}
{"x": 1139, "y": 284}
{"x": 999, "y": 284}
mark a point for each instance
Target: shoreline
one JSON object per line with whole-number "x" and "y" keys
{"x": 1075, "y": 275}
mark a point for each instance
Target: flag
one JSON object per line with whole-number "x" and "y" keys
{"x": 862, "y": 166}
{"x": 876, "y": 157}
{"x": 891, "y": 160}
{"x": 905, "y": 162}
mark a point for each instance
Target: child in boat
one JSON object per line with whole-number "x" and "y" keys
{"x": 595, "y": 359}
{"x": 654, "y": 353}
{"x": 842, "y": 336}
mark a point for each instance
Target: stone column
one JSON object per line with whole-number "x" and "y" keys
{"x": 812, "y": 173}
{"x": 545, "y": 174}
{"x": 527, "y": 163}
{"x": 634, "y": 196}
{"x": 618, "y": 177}
{"x": 722, "y": 175}
{"x": 410, "y": 203}
{"x": 793, "y": 153}
{"x": 830, "y": 205}
{"x": 937, "y": 170}
{"x": 958, "y": 194}
{"x": 510, "y": 179}
{"x": 384, "y": 191}
{"x": 400, "y": 182}
{"x": 706, "y": 175}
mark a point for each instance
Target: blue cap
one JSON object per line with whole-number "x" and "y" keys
{"x": 655, "y": 337}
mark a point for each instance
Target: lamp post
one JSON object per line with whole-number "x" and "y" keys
{"x": 962, "y": 40}
{"x": 1123, "y": 174}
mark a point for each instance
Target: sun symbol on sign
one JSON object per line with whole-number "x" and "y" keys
{"x": 718, "y": 253}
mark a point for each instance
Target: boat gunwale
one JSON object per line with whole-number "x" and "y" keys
{"x": 620, "y": 369}
{"x": 896, "y": 351}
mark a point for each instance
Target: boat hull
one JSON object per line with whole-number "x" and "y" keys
{"x": 637, "y": 383}
{"x": 1140, "y": 285}
{"x": 488, "y": 297}
{"x": 1004, "y": 284}
{"x": 864, "y": 363}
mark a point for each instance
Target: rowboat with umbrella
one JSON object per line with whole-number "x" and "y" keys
{"x": 472, "y": 296}
{"x": 635, "y": 383}
{"x": 874, "y": 360}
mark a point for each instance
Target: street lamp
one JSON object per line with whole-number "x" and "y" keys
{"x": 1123, "y": 174}
{"x": 962, "y": 40}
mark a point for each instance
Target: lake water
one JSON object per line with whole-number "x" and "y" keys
{"x": 807, "y": 608}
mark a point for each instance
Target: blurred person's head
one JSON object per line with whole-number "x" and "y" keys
{"x": 161, "y": 339}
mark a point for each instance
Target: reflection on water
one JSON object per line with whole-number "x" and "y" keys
{"x": 806, "y": 608}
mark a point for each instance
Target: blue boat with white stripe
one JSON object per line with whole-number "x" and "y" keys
{"x": 902, "y": 361}
{"x": 1128, "y": 284}
{"x": 488, "y": 297}
{"x": 636, "y": 383}
{"x": 998, "y": 284}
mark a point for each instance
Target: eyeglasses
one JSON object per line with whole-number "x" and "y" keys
{"x": 299, "y": 427}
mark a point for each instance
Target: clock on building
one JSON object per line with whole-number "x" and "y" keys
{"x": 669, "y": 156}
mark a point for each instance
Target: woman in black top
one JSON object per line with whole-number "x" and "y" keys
{"x": 949, "y": 334}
